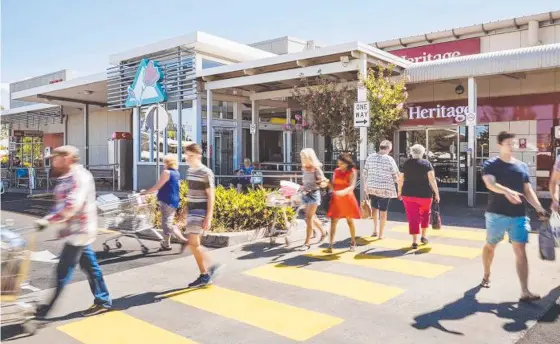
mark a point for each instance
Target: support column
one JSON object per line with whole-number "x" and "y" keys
{"x": 86, "y": 134}
{"x": 255, "y": 137}
{"x": 288, "y": 140}
{"x": 362, "y": 97}
{"x": 136, "y": 141}
{"x": 238, "y": 141}
{"x": 471, "y": 144}
{"x": 209, "y": 130}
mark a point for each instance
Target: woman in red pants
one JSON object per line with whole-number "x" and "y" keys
{"x": 418, "y": 187}
{"x": 343, "y": 202}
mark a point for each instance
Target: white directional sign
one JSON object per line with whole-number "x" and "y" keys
{"x": 361, "y": 114}
{"x": 471, "y": 119}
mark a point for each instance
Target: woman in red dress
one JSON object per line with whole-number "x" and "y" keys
{"x": 344, "y": 204}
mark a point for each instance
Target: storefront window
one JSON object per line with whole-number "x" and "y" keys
{"x": 220, "y": 110}
{"x": 166, "y": 141}
{"x": 171, "y": 132}
{"x": 188, "y": 125}
{"x": 146, "y": 137}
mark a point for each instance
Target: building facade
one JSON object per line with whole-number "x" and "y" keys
{"x": 254, "y": 115}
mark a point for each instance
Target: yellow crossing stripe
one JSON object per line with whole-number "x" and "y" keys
{"x": 292, "y": 322}
{"x": 349, "y": 287}
{"x": 450, "y": 233}
{"x": 119, "y": 328}
{"x": 439, "y": 249}
{"x": 405, "y": 266}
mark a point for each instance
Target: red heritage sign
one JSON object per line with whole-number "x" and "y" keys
{"x": 440, "y": 51}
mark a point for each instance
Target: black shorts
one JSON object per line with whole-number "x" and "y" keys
{"x": 380, "y": 203}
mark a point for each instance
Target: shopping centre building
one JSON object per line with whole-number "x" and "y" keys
{"x": 506, "y": 72}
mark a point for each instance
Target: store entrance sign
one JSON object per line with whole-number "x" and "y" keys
{"x": 146, "y": 88}
{"x": 440, "y": 51}
{"x": 457, "y": 113}
{"x": 361, "y": 115}
{"x": 471, "y": 119}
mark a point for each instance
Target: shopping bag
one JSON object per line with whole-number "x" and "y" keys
{"x": 546, "y": 242}
{"x": 436, "y": 217}
{"x": 554, "y": 222}
{"x": 366, "y": 209}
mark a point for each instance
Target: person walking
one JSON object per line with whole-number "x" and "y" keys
{"x": 75, "y": 212}
{"x": 417, "y": 188}
{"x": 200, "y": 211}
{"x": 167, "y": 188}
{"x": 313, "y": 180}
{"x": 507, "y": 179}
{"x": 344, "y": 204}
{"x": 381, "y": 175}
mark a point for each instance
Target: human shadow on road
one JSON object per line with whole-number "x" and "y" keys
{"x": 264, "y": 250}
{"x": 517, "y": 313}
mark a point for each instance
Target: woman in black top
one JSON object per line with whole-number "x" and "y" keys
{"x": 417, "y": 187}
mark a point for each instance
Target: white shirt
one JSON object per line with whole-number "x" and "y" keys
{"x": 381, "y": 173}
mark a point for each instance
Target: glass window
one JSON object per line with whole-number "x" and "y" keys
{"x": 171, "y": 134}
{"x": 210, "y": 64}
{"x": 220, "y": 110}
{"x": 146, "y": 136}
{"x": 188, "y": 124}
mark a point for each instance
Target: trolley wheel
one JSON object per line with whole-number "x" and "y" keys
{"x": 106, "y": 248}
{"x": 30, "y": 327}
{"x": 145, "y": 250}
{"x": 118, "y": 244}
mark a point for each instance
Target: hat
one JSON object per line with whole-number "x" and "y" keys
{"x": 64, "y": 151}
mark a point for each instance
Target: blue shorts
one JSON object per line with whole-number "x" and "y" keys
{"x": 380, "y": 203}
{"x": 313, "y": 197}
{"x": 497, "y": 225}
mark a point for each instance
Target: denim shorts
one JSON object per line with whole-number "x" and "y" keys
{"x": 497, "y": 225}
{"x": 313, "y": 197}
{"x": 380, "y": 203}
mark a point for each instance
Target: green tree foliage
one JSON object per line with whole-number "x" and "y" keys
{"x": 386, "y": 95}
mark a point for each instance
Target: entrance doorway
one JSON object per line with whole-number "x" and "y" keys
{"x": 224, "y": 151}
{"x": 446, "y": 149}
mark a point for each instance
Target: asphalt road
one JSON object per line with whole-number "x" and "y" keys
{"x": 24, "y": 211}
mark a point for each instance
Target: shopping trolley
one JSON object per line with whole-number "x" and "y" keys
{"x": 17, "y": 308}
{"x": 289, "y": 196}
{"x": 130, "y": 216}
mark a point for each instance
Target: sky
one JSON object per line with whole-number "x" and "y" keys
{"x": 42, "y": 36}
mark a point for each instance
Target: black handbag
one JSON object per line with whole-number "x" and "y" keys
{"x": 436, "y": 216}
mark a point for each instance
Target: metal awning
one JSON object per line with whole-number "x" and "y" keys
{"x": 494, "y": 63}
{"x": 31, "y": 115}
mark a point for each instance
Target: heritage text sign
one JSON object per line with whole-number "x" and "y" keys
{"x": 440, "y": 51}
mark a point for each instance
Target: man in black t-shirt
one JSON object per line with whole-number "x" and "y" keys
{"x": 507, "y": 180}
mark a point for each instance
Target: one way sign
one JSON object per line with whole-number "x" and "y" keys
{"x": 361, "y": 114}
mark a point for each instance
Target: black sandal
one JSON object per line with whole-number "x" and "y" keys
{"x": 414, "y": 246}
{"x": 528, "y": 299}
{"x": 485, "y": 283}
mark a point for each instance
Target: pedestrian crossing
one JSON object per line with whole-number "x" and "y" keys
{"x": 286, "y": 319}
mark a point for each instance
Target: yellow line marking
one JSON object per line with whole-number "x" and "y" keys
{"x": 349, "y": 287}
{"x": 405, "y": 266}
{"x": 119, "y": 328}
{"x": 450, "y": 233}
{"x": 282, "y": 319}
{"x": 106, "y": 231}
{"x": 439, "y": 249}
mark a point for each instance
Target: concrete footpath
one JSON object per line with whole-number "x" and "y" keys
{"x": 383, "y": 293}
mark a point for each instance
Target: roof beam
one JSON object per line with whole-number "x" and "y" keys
{"x": 290, "y": 74}
{"x": 250, "y": 71}
{"x": 70, "y": 100}
{"x": 288, "y": 92}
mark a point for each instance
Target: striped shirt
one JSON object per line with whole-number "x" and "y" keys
{"x": 75, "y": 209}
{"x": 199, "y": 180}
{"x": 382, "y": 174}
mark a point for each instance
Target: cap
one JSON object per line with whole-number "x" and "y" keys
{"x": 64, "y": 151}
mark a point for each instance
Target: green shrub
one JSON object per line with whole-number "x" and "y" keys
{"x": 233, "y": 211}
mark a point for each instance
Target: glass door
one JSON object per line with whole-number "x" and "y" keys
{"x": 442, "y": 152}
{"x": 224, "y": 151}
{"x": 408, "y": 139}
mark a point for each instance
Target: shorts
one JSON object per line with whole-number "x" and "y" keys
{"x": 195, "y": 219}
{"x": 497, "y": 225}
{"x": 380, "y": 203}
{"x": 313, "y": 197}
